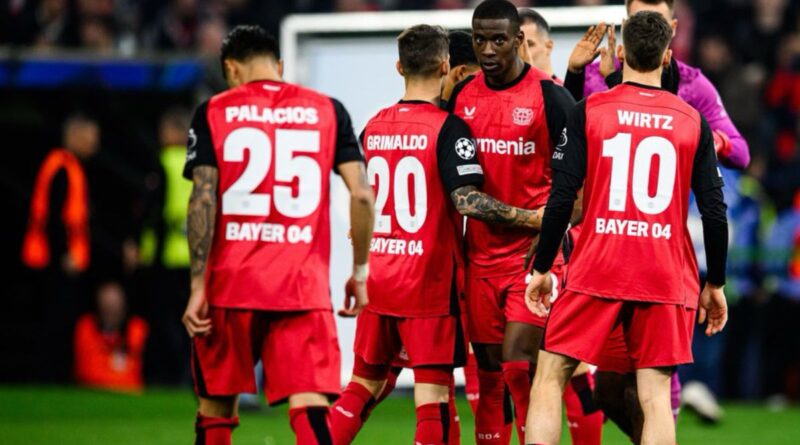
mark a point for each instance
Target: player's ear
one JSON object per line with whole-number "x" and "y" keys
{"x": 444, "y": 69}
{"x": 620, "y": 53}
{"x": 667, "y": 58}
{"x": 519, "y": 40}
{"x": 399, "y": 68}
{"x": 231, "y": 72}
{"x": 674, "y": 24}
{"x": 549, "y": 45}
{"x": 280, "y": 68}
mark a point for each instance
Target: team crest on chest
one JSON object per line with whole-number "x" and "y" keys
{"x": 522, "y": 116}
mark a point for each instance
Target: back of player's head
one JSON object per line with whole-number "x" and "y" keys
{"x": 498, "y": 10}
{"x": 422, "y": 49}
{"x": 646, "y": 36}
{"x": 528, "y": 15}
{"x": 670, "y": 3}
{"x": 247, "y": 41}
{"x": 461, "y": 52}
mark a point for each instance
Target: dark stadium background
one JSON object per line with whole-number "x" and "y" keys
{"x": 124, "y": 62}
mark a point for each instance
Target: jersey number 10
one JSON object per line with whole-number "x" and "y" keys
{"x": 241, "y": 199}
{"x": 618, "y": 149}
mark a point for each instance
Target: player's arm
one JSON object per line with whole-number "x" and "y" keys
{"x": 569, "y": 171}
{"x": 732, "y": 149}
{"x": 349, "y": 163}
{"x": 707, "y": 186}
{"x": 462, "y": 177}
{"x": 201, "y": 168}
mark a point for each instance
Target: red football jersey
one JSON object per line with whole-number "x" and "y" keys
{"x": 512, "y": 126}
{"x": 275, "y": 145}
{"x": 416, "y": 155}
{"x": 641, "y": 146}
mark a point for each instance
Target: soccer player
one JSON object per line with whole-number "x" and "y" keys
{"x": 260, "y": 156}
{"x": 463, "y": 63}
{"x": 689, "y": 83}
{"x": 516, "y": 113}
{"x": 637, "y": 150}
{"x": 422, "y": 162}
{"x": 584, "y": 417}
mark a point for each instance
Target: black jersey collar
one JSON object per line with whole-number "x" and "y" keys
{"x": 416, "y": 102}
{"x": 639, "y": 85}
{"x": 508, "y": 85}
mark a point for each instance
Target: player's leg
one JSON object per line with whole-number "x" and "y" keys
{"x": 653, "y": 386}
{"x": 302, "y": 365}
{"x": 584, "y": 418}
{"x": 553, "y": 371}
{"x": 616, "y": 395}
{"x": 486, "y": 321}
{"x": 222, "y": 367}
{"x": 431, "y": 396}
{"x": 376, "y": 344}
{"x": 454, "y": 437}
{"x": 471, "y": 385}
{"x": 520, "y": 348}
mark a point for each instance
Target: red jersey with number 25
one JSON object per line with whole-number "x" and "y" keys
{"x": 635, "y": 245}
{"x": 510, "y": 126}
{"x": 275, "y": 144}
{"x": 416, "y": 155}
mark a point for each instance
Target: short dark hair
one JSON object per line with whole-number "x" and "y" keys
{"x": 461, "y": 51}
{"x": 646, "y": 36}
{"x": 422, "y": 49}
{"x": 528, "y": 15}
{"x": 498, "y": 10}
{"x": 246, "y": 41}
{"x": 670, "y": 3}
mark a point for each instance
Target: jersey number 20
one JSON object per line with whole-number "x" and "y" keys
{"x": 618, "y": 149}
{"x": 380, "y": 177}
{"x": 241, "y": 199}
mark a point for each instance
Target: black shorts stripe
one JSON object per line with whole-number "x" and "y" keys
{"x": 199, "y": 379}
{"x": 317, "y": 418}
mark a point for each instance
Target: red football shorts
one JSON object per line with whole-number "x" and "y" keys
{"x": 299, "y": 351}
{"x": 494, "y": 301}
{"x": 384, "y": 340}
{"x": 642, "y": 335}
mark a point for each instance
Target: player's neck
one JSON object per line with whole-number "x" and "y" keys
{"x": 509, "y": 76}
{"x": 650, "y": 78}
{"x": 261, "y": 72}
{"x": 427, "y": 90}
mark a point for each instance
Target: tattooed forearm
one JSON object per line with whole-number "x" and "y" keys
{"x": 201, "y": 216}
{"x": 470, "y": 201}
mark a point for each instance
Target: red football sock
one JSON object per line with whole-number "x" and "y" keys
{"x": 311, "y": 425}
{"x": 517, "y": 375}
{"x": 493, "y": 417}
{"x": 454, "y": 436}
{"x": 471, "y": 376}
{"x": 350, "y": 412}
{"x": 584, "y": 418}
{"x": 214, "y": 430}
{"x": 432, "y": 424}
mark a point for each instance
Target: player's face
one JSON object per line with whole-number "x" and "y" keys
{"x": 539, "y": 46}
{"x": 660, "y": 8}
{"x": 495, "y": 44}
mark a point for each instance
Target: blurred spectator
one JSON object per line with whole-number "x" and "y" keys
{"x": 109, "y": 343}
{"x": 97, "y": 34}
{"x": 164, "y": 254}
{"x": 175, "y": 28}
{"x": 209, "y": 42}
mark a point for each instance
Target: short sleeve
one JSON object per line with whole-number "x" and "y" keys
{"x": 705, "y": 173}
{"x": 347, "y": 148}
{"x": 199, "y": 146}
{"x": 569, "y": 155}
{"x": 457, "y": 155}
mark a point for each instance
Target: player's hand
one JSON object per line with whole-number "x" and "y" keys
{"x": 525, "y": 54}
{"x": 586, "y": 49}
{"x": 539, "y": 292}
{"x": 195, "y": 317}
{"x": 355, "y": 298}
{"x": 528, "y": 258}
{"x": 714, "y": 308}
{"x": 608, "y": 55}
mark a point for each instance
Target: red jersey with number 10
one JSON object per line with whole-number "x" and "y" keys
{"x": 635, "y": 245}
{"x": 275, "y": 144}
{"x": 514, "y": 148}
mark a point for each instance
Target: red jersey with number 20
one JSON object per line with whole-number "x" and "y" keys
{"x": 512, "y": 126}
{"x": 275, "y": 144}
{"x": 416, "y": 155}
{"x": 640, "y": 151}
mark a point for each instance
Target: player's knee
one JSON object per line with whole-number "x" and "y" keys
{"x": 302, "y": 399}
{"x": 521, "y": 342}
{"x": 432, "y": 384}
{"x": 371, "y": 376}
{"x": 488, "y": 356}
{"x": 218, "y": 406}
{"x": 553, "y": 372}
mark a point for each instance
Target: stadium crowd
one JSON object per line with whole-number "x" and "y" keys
{"x": 749, "y": 49}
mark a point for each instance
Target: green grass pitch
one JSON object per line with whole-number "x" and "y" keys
{"x": 66, "y": 416}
